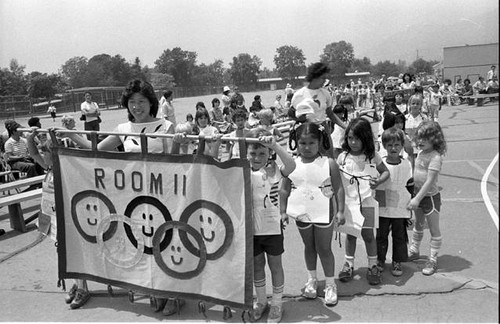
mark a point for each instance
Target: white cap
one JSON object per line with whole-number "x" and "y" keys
{"x": 226, "y": 88}
{"x": 306, "y": 106}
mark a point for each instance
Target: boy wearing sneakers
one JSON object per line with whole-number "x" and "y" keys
{"x": 266, "y": 177}
{"x": 393, "y": 197}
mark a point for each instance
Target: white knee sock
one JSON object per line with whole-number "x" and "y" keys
{"x": 260, "y": 290}
{"x": 435, "y": 247}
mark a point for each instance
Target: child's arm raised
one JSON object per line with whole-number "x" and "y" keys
{"x": 288, "y": 161}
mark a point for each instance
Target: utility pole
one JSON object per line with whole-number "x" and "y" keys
{"x": 417, "y": 54}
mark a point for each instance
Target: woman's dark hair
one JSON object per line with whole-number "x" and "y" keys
{"x": 467, "y": 81}
{"x": 308, "y": 128}
{"x": 214, "y": 100}
{"x": 360, "y": 128}
{"x": 145, "y": 89}
{"x": 200, "y": 104}
{"x": 447, "y": 81}
{"x": 419, "y": 89}
{"x": 316, "y": 70}
{"x": 407, "y": 74}
{"x": 168, "y": 93}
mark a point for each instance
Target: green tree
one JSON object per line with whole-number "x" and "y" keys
{"x": 339, "y": 57}
{"x": 13, "y": 81}
{"x": 386, "y": 67}
{"x": 290, "y": 62}
{"x": 245, "y": 69}
{"x": 420, "y": 65}
{"x": 178, "y": 63}
{"x": 43, "y": 85}
{"x": 138, "y": 72}
{"x": 212, "y": 74}
{"x": 362, "y": 65}
{"x": 74, "y": 71}
{"x": 162, "y": 81}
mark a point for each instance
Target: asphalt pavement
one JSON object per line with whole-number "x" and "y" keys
{"x": 465, "y": 288}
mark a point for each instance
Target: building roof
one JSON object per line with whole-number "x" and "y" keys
{"x": 278, "y": 79}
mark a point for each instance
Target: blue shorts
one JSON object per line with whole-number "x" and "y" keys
{"x": 271, "y": 244}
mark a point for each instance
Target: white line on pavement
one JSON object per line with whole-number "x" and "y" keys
{"x": 481, "y": 170}
{"x": 484, "y": 191}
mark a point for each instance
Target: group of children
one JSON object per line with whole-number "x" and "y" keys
{"x": 324, "y": 194}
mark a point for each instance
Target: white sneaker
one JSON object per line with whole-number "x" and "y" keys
{"x": 310, "y": 289}
{"x": 331, "y": 295}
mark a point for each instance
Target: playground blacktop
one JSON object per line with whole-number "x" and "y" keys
{"x": 465, "y": 289}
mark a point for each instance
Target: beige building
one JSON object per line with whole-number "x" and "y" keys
{"x": 469, "y": 61}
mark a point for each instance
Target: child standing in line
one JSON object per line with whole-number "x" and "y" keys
{"x": 398, "y": 97}
{"x": 240, "y": 120}
{"x": 338, "y": 132}
{"x": 362, "y": 172}
{"x": 393, "y": 197}
{"x": 427, "y": 200}
{"x": 434, "y": 102}
{"x": 268, "y": 222}
{"x": 311, "y": 190}
{"x": 413, "y": 120}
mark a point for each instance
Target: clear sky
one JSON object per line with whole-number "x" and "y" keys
{"x": 44, "y": 34}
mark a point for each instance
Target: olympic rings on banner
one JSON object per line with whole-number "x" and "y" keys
{"x": 108, "y": 255}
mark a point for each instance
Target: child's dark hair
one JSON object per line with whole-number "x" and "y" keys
{"x": 214, "y": 100}
{"x": 256, "y": 133}
{"x": 200, "y": 104}
{"x": 391, "y": 135}
{"x": 431, "y": 131}
{"x": 360, "y": 128}
{"x": 340, "y": 109}
{"x": 419, "y": 89}
{"x": 347, "y": 100}
{"x": 200, "y": 113}
{"x": 239, "y": 113}
{"x": 318, "y": 132}
{"x": 189, "y": 116}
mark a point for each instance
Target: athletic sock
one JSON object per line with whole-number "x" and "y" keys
{"x": 435, "y": 247}
{"x": 329, "y": 281}
{"x": 260, "y": 290}
{"x": 372, "y": 261}
{"x": 416, "y": 241}
{"x": 277, "y": 295}
{"x": 312, "y": 274}
{"x": 350, "y": 260}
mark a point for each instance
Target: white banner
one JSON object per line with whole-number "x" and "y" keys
{"x": 162, "y": 225}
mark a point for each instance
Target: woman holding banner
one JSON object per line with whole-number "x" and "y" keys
{"x": 142, "y": 106}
